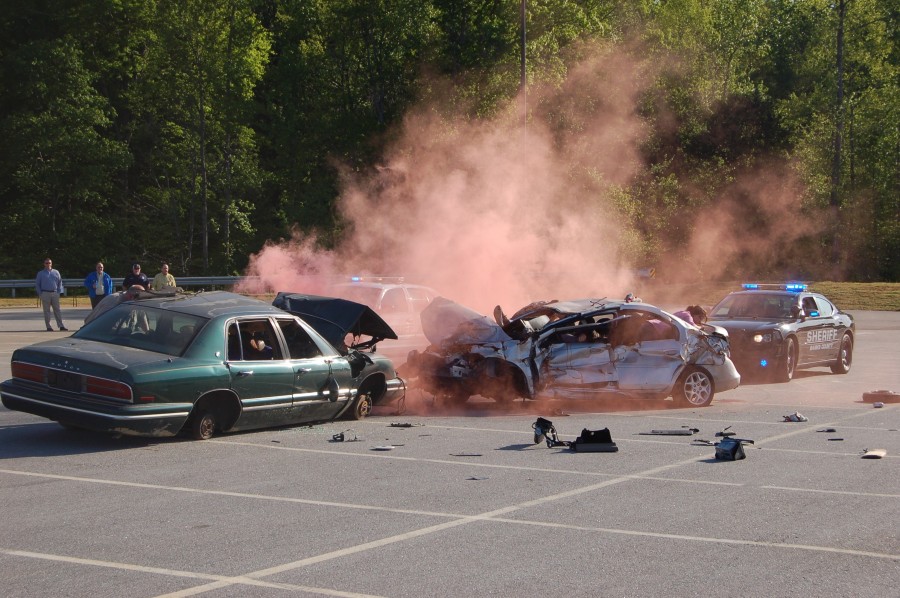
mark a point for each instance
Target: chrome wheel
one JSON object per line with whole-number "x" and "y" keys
{"x": 694, "y": 389}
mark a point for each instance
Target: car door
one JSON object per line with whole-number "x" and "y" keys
{"x": 263, "y": 381}
{"x": 576, "y": 358}
{"x": 815, "y": 334}
{"x": 322, "y": 381}
{"x": 653, "y": 362}
{"x": 824, "y": 341}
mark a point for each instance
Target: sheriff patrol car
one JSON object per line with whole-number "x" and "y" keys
{"x": 777, "y": 329}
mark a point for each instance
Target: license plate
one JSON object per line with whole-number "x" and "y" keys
{"x": 64, "y": 380}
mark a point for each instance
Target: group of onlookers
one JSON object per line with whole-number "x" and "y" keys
{"x": 49, "y": 287}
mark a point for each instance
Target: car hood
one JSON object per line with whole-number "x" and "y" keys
{"x": 72, "y": 353}
{"x": 444, "y": 319}
{"x": 747, "y": 324}
{"x": 335, "y": 318}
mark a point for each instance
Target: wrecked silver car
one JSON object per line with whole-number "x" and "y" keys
{"x": 571, "y": 350}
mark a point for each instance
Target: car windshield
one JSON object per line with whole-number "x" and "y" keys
{"x": 143, "y": 327}
{"x": 365, "y": 295}
{"x": 754, "y": 305}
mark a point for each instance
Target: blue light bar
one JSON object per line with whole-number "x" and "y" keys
{"x": 355, "y": 278}
{"x": 793, "y": 287}
{"x": 763, "y": 362}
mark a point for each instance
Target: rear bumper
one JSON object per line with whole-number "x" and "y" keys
{"x": 726, "y": 375}
{"x": 133, "y": 420}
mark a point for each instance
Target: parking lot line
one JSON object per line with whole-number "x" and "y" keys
{"x": 224, "y": 580}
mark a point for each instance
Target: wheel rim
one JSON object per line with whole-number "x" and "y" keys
{"x": 790, "y": 359}
{"x": 364, "y": 407}
{"x": 846, "y": 352}
{"x": 207, "y": 426}
{"x": 697, "y": 388}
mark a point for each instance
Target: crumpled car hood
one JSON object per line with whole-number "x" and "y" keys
{"x": 335, "y": 318}
{"x": 445, "y": 320}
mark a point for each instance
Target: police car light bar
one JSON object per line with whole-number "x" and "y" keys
{"x": 796, "y": 287}
{"x": 394, "y": 279}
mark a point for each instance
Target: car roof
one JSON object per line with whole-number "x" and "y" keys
{"x": 382, "y": 285}
{"x": 209, "y": 304}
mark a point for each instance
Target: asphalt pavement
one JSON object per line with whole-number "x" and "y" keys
{"x": 463, "y": 503}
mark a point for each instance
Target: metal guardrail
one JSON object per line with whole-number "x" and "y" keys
{"x": 71, "y": 286}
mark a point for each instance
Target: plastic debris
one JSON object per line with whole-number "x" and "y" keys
{"x": 683, "y": 431}
{"x": 829, "y": 430}
{"x": 796, "y": 417}
{"x": 878, "y": 405}
{"x": 731, "y": 449}
{"x": 466, "y": 455}
{"x": 595, "y": 441}
{"x": 385, "y": 447}
{"x": 874, "y": 453}
{"x": 404, "y": 425}
{"x": 881, "y": 396}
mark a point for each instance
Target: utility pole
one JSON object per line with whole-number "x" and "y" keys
{"x": 522, "y": 84}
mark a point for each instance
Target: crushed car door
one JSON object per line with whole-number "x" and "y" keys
{"x": 261, "y": 377}
{"x": 321, "y": 383}
{"x": 648, "y": 358}
{"x": 576, "y": 357}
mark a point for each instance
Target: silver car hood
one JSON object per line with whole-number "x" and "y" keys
{"x": 447, "y": 321}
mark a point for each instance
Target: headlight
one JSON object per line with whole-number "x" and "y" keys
{"x": 763, "y": 338}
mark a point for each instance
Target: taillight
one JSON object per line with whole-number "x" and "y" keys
{"x": 107, "y": 388}
{"x": 28, "y": 371}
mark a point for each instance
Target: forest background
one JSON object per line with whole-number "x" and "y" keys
{"x": 201, "y": 131}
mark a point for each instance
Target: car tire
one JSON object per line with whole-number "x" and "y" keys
{"x": 788, "y": 363}
{"x": 694, "y": 388}
{"x": 361, "y": 408}
{"x": 845, "y": 357}
{"x": 203, "y": 425}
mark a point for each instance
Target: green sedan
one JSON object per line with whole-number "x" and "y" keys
{"x": 154, "y": 365}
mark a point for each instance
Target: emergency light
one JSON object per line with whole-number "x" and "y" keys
{"x": 794, "y": 287}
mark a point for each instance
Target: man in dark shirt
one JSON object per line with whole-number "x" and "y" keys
{"x": 136, "y": 277}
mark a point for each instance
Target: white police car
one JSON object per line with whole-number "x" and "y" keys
{"x": 398, "y": 302}
{"x": 777, "y": 329}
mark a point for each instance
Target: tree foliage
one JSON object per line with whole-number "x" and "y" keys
{"x": 194, "y": 130}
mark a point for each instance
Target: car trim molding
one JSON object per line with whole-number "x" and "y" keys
{"x": 155, "y": 415}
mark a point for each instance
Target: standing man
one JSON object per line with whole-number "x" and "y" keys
{"x": 136, "y": 278}
{"x": 163, "y": 279}
{"x": 99, "y": 284}
{"x": 48, "y": 285}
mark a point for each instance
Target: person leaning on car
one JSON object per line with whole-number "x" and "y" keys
{"x": 99, "y": 284}
{"x": 48, "y": 285}
{"x": 136, "y": 278}
{"x": 163, "y": 279}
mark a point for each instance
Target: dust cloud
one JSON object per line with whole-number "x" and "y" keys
{"x": 490, "y": 212}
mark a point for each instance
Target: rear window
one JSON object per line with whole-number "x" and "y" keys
{"x": 143, "y": 327}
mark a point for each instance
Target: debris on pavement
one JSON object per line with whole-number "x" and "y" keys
{"x": 404, "y": 425}
{"x": 873, "y": 453}
{"x": 881, "y": 396}
{"x": 724, "y": 433}
{"x": 683, "y": 431}
{"x": 829, "y": 430}
{"x": 466, "y": 455}
{"x": 878, "y": 405}
{"x": 731, "y": 449}
{"x": 384, "y": 447}
{"x": 796, "y": 417}
{"x": 595, "y": 441}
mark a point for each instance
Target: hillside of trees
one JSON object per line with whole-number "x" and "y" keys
{"x": 196, "y": 131}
